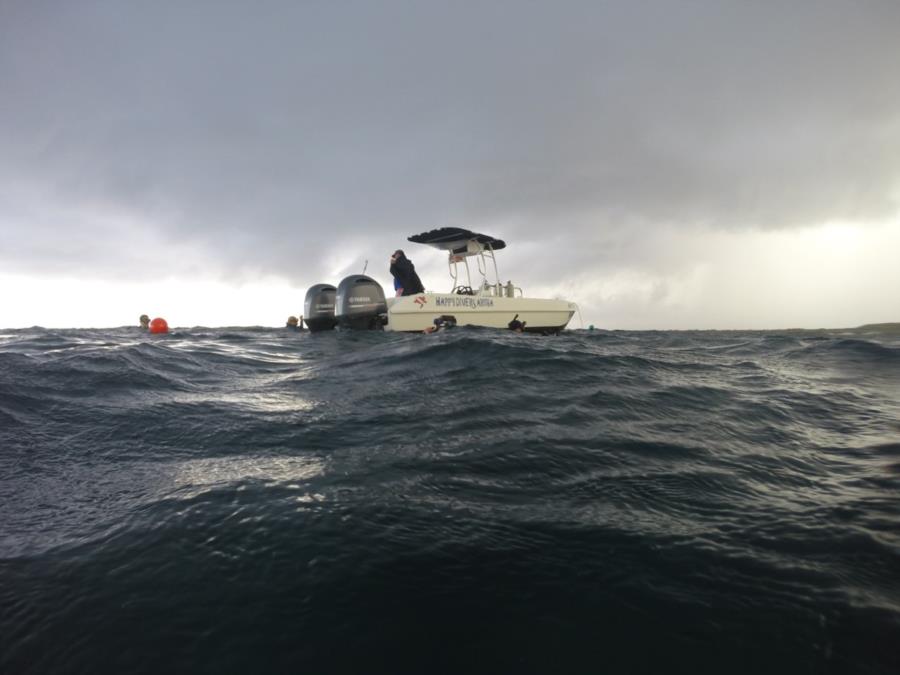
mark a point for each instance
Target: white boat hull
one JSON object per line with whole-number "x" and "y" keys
{"x": 415, "y": 313}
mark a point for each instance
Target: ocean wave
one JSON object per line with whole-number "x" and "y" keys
{"x": 318, "y": 497}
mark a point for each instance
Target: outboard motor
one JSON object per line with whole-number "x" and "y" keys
{"x": 318, "y": 308}
{"x": 360, "y": 304}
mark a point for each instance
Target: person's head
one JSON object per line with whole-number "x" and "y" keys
{"x": 145, "y": 321}
{"x": 292, "y": 321}
{"x": 397, "y": 255}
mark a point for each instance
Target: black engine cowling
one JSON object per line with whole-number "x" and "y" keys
{"x": 360, "y": 304}
{"x": 318, "y": 308}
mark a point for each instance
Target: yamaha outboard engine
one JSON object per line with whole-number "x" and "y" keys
{"x": 318, "y": 307}
{"x": 360, "y": 304}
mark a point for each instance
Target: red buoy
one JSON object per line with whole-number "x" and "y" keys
{"x": 159, "y": 325}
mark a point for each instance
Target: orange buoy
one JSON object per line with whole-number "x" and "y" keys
{"x": 159, "y": 325}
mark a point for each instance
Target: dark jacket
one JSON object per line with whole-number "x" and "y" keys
{"x": 405, "y": 272}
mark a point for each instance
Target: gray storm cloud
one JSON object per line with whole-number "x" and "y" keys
{"x": 266, "y": 134}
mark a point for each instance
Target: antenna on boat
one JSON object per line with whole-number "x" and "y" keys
{"x": 365, "y": 267}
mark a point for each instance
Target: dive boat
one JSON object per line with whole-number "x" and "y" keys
{"x": 487, "y": 302}
{"x": 359, "y": 301}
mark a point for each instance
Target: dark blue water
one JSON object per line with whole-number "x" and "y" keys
{"x": 475, "y": 501}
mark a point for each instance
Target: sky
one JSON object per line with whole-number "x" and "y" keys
{"x": 666, "y": 164}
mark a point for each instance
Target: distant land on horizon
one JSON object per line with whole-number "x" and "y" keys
{"x": 891, "y": 328}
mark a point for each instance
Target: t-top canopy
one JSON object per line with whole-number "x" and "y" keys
{"x": 456, "y": 240}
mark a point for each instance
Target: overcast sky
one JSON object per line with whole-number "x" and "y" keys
{"x": 665, "y": 164}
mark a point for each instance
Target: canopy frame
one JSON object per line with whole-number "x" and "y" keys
{"x": 461, "y": 245}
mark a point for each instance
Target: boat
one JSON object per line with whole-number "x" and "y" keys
{"x": 476, "y": 297}
{"x": 486, "y": 301}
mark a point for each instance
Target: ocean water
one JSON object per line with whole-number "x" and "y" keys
{"x": 474, "y": 501}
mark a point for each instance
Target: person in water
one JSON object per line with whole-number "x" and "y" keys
{"x": 293, "y": 323}
{"x": 145, "y": 322}
{"x": 441, "y": 323}
{"x": 406, "y": 281}
{"x": 515, "y": 325}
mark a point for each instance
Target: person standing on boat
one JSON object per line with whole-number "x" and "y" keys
{"x": 404, "y": 272}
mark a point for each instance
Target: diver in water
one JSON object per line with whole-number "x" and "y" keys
{"x": 440, "y": 323}
{"x": 406, "y": 281}
{"x": 515, "y": 325}
{"x": 145, "y": 322}
{"x": 293, "y": 323}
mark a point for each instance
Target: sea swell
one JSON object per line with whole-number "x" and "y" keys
{"x": 472, "y": 500}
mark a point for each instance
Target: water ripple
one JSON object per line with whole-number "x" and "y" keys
{"x": 469, "y": 501}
